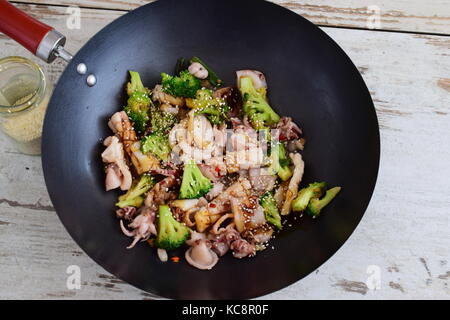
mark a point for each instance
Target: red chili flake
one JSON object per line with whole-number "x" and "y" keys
{"x": 175, "y": 259}
{"x": 282, "y": 137}
{"x": 212, "y": 205}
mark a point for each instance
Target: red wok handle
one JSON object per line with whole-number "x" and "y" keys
{"x": 39, "y": 38}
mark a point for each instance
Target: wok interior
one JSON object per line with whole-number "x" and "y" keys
{"x": 309, "y": 79}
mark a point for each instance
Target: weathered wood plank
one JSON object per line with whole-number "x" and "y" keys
{"x": 405, "y": 15}
{"x": 404, "y": 231}
{"x": 431, "y": 16}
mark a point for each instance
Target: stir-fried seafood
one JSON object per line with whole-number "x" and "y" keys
{"x": 209, "y": 167}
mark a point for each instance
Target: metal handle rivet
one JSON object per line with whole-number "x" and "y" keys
{"x": 91, "y": 80}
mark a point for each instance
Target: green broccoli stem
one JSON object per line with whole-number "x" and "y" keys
{"x": 314, "y": 190}
{"x": 316, "y": 205}
{"x": 280, "y": 161}
{"x": 133, "y": 197}
{"x": 271, "y": 211}
{"x": 285, "y": 173}
{"x": 134, "y": 202}
{"x": 136, "y": 84}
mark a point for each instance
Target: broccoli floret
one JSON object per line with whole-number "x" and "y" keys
{"x": 135, "y": 84}
{"x": 193, "y": 185}
{"x": 138, "y": 103}
{"x": 284, "y": 172}
{"x": 138, "y": 117}
{"x": 215, "y": 109}
{"x": 134, "y": 196}
{"x": 316, "y": 205}
{"x": 215, "y": 115}
{"x": 184, "y": 85}
{"x": 161, "y": 122}
{"x": 157, "y": 144}
{"x": 280, "y": 161}
{"x": 255, "y": 105}
{"x": 203, "y": 99}
{"x": 271, "y": 211}
{"x": 212, "y": 76}
{"x": 314, "y": 190}
{"x": 171, "y": 233}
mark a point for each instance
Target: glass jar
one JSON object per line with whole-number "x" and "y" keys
{"x": 24, "y": 97}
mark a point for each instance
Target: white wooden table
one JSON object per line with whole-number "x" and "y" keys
{"x": 405, "y": 232}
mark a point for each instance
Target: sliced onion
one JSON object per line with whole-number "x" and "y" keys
{"x": 239, "y": 218}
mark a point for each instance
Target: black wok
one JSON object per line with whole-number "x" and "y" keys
{"x": 310, "y": 78}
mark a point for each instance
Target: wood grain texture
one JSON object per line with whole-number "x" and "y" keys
{"x": 432, "y": 16}
{"x": 404, "y": 231}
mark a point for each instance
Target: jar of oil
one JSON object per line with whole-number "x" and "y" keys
{"x": 24, "y": 96}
